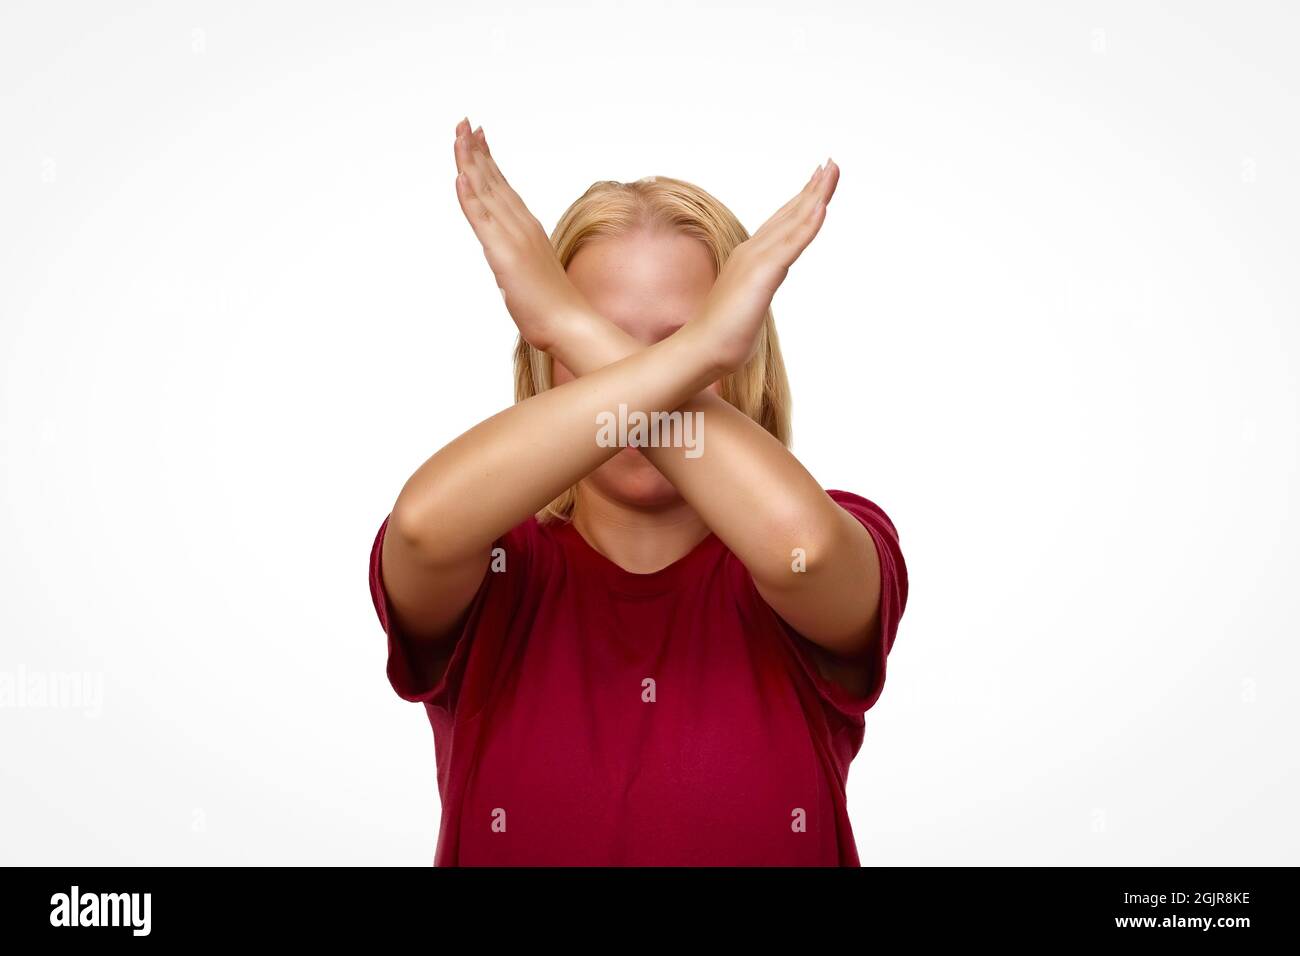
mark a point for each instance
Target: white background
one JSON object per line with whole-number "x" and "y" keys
{"x": 1050, "y": 326}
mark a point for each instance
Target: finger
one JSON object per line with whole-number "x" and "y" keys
{"x": 495, "y": 180}
{"x": 794, "y": 200}
{"x": 812, "y": 201}
{"x": 467, "y": 161}
{"x": 809, "y": 189}
{"x": 462, "y": 129}
{"x": 829, "y": 180}
{"x": 801, "y": 232}
{"x": 790, "y": 236}
{"x": 818, "y": 190}
{"x": 485, "y": 225}
{"x": 478, "y": 143}
{"x": 490, "y": 164}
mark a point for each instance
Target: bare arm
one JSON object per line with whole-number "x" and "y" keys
{"x": 509, "y": 466}
{"x": 756, "y": 496}
{"x": 747, "y": 487}
{"x": 504, "y": 469}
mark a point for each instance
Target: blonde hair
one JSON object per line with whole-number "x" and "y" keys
{"x": 609, "y": 209}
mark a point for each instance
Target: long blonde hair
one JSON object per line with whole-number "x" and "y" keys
{"x": 608, "y": 209}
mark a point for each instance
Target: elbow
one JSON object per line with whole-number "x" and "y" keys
{"x": 799, "y": 547}
{"x": 414, "y": 523}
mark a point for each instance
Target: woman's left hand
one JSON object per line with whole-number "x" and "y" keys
{"x": 734, "y": 310}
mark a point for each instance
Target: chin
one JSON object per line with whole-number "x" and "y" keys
{"x": 630, "y": 479}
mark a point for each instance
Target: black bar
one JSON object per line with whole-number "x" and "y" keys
{"x": 431, "y": 906}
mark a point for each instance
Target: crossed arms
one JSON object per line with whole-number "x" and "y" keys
{"x": 748, "y": 489}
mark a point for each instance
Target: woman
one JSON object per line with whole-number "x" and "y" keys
{"x": 654, "y": 655}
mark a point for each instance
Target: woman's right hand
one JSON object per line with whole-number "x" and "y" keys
{"x": 734, "y": 310}
{"x": 537, "y": 290}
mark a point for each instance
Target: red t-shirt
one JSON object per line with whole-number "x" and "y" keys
{"x": 588, "y": 715}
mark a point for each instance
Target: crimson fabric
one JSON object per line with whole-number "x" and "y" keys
{"x": 587, "y": 715}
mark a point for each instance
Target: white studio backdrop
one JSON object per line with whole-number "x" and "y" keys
{"x": 1050, "y": 326}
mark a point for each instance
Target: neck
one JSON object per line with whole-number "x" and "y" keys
{"x": 639, "y": 540}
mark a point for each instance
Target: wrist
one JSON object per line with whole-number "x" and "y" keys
{"x": 546, "y": 328}
{"x": 725, "y": 351}
{"x": 587, "y": 341}
{"x": 564, "y": 327}
{"x": 700, "y": 353}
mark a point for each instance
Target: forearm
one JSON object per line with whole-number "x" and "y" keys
{"x": 808, "y": 557}
{"x": 745, "y": 485}
{"x": 749, "y": 489}
{"x": 496, "y": 474}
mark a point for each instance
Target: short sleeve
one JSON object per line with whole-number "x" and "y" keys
{"x": 893, "y": 599}
{"x": 431, "y": 672}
